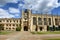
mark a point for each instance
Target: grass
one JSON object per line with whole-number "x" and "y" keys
{"x": 53, "y": 32}
{"x": 5, "y": 32}
{"x": 53, "y": 39}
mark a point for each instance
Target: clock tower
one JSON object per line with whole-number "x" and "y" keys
{"x": 26, "y": 20}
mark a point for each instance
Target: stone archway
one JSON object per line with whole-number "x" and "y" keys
{"x": 41, "y": 28}
{"x": 25, "y": 28}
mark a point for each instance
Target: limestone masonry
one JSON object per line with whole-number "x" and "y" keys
{"x": 31, "y": 22}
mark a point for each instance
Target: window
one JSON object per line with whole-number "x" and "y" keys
{"x": 6, "y": 24}
{"x": 9, "y": 24}
{"x": 14, "y": 20}
{"x": 56, "y": 21}
{"x": 16, "y": 24}
{"x": 34, "y": 21}
{"x": 17, "y": 21}
{"x": 39, "y": 21}
{"x": 45, "y": 21}
{"x": 13, "y": 24}
{"x": 9, "y": 28}
{"x": 13, "y": 28}
{"x": 6, "y": 28}
{"x": 19, "y": 24}
{"x": 59, "y": 20}
{"x": 10, "y": 20}
{"x": 49, "y": 20}
{"x": 0, "y": 21}
{"x": 7, "y": 20}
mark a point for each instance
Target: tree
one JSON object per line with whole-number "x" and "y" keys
{"x": 18, "y": 28}
{"x": 1, "y": 27}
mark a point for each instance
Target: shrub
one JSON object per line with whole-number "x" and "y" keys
{"x": 18, "y": 29}
{"x": 1, "y": 27}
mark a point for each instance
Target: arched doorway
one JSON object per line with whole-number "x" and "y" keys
{"x": 25, "y": 28}
{"x": 47, "y": 28}
{"x": 41, "y": 28}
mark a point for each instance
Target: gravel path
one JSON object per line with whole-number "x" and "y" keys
{"x": 27, "y": 36}
{"x": 24, "y": 36}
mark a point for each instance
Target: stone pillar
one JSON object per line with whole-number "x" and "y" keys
{"x": 54, "y": 21}
{"x": 45, "y": 28}
{"x": 38, "y": 29}
{"x": 22, "y": 20}
{"x": 21, "y": 27}
{"x": 31, "y": 25}
{"x": 4, "y": 26}
{"x": 42, "y": 22}
{"x": 37, "y": 23}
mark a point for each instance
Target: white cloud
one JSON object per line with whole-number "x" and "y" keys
{"x": 5, "y": 14}
{"x": 3, "y": 2}
{"x": 14, "y": 10}
{"x": 41, "y": 5}
{"x": 20, "y": 4}
{"x": 12, "y": 1}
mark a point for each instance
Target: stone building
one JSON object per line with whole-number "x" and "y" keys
{"x": 32, "y": 22}
{"x": 39, "y": 22}
{"x": 10, "y": 23}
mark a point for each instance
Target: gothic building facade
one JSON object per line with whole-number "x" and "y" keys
{"x": 32, "y": 22}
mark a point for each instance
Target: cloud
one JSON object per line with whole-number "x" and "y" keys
{"x": 10, "y": 13}
{"x": 3, "y": 2}
{"x": 5, "y": 14}
{"x": 14, "y": 10}
{"x": 20, "y": 5}
{"x": 11, "y": 1}
{"x": 41, "y": 5}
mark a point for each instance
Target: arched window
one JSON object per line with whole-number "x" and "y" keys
{"x": 0, "y": 21}
{"x": 34, "y": 21}
{"x": 56, "y": 21}
{"x": 39, "y": 21}
{"x": 49, "y": 20}
{"x": 45, "y": 21}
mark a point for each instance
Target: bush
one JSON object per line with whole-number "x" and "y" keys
{"x": 1, "y": 27}
{"x": 18, "y": 29}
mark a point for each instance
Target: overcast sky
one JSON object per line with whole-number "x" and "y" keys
{"x": 12, "y": 8}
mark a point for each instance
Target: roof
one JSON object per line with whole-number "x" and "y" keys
{"x": 45, "y": 14}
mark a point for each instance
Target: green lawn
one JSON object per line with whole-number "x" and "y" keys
{"x": 53, "y": 39}
{"x": 5, "y": 32}
{"x": 53, "y": 32}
